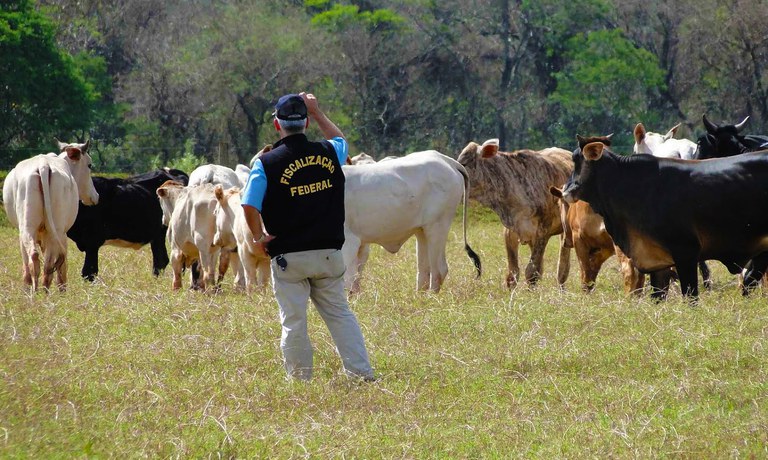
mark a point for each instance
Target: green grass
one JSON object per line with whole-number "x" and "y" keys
{"x": 126, "y": 368}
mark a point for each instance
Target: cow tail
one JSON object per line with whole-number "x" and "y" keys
{"x": 45, "y": 182}
{"x": 472, "y": 254}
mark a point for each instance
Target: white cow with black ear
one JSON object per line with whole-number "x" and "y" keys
{"x": 663, "y": 146}
{"x": 40, "y": 196}
{"x": 388, "y": 202}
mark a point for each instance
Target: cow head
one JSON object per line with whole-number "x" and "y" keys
{"x": 647, "y": 142}
{"x": 721, "y": 141}
{"x": 80, "y": 164}
{"x": 168, "y": 193}
{"x": 589, "y": 152}
{"x": 474, "y": 152}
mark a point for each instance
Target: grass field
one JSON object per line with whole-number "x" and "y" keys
{"x": 125, "y": 368}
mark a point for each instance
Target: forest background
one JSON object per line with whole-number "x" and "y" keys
{"x": 182, "y": 82}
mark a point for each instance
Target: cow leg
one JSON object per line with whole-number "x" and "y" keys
{"x": 177, "y": 265}
{"x": 754, "y": 272}
{"x": 512, "y": 243}
{"x": 159, "y": 254}
{"x": 224, "y": 259}
{"x": 436, "y": 237}
{"x": 564, "y": 262}
{"x": 689, "y": 277}
{"x": 706, "y": 275}
{"x": 660, "y": 281}
{"x": 588, "y": 275}
{"x": 536, "y": 264}
{"x": 422, "y": 261}
{"x": 265, "y": 272}
{"x": 61, "y": 273}
{"x": 350, "y": 251}
{"x": 633, "y": 279}
{"x": 237, "y": 267}
{"x": 91, "y": 264}
{"x": 208, "y": 266}
{"x": 30, "y": 261}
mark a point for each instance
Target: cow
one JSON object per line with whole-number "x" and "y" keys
{"x": 233, "y": 233}
{"x": 388, "y": 202}
{"x": 189, "y": 214}
{"x": 584, "y": 230}
{"x": 214, "y": 174}
{"x": 515, "y": 185}
{"x": 663, "y": 146}
{"x": 726, "y": 140}
{"x": 667, "y": 146}
{"x": 128, "y": 215}
{"x": 242, "y": 172}
{"x": 665, "y": 212}
{"x": 40, "y": 196}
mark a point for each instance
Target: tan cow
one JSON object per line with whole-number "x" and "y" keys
{"x": 41, "y": 196}
{"x": 516, "y": 186}
{"x": 585, "y": 231}
{"x": 233, "y": 234}
{"x": 189, "y": 214}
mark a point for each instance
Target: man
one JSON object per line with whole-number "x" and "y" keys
{"x": 298, "y": 191}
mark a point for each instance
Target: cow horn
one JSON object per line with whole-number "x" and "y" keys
{"x": 711, "y": 127}
{"x": 741, "y": 125}
{"x": 672, "y": 131}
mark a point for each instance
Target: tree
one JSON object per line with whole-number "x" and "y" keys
{"x": 607, "y": 84}
{"x": 44, "y": 92}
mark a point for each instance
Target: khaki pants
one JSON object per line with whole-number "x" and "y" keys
{"x": 319, "y": 275}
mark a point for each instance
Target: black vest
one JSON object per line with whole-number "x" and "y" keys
{"x": 303, "y": 206}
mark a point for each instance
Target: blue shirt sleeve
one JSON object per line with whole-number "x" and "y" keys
{"x": 342, "y": 149}
{"x": 253, "y": 195}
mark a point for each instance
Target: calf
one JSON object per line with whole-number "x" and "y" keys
{"x": 233, "y": 233}
{"x": 665, "y": 212}
{"x": 516, "y": 186}
{"x": 128, "y": 215}
{"x": 388, "y": 202}
{"x": 40, "y": 196}
{"x": 189, "y": 214}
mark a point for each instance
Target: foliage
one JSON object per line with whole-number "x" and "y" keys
{"x": 607, "y": 82}
{"x": 45, "y": 92}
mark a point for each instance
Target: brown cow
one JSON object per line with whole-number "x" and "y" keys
{"x": 585, "y": 231}
{"x": 515, "y": 185}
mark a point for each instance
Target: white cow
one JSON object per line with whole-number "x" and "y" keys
{"x": 189, "y": 214}
{"x": 233, "y": 233}
{"x": 214, "y": 174}
{"x": 665, "y": 146}
{"x": 41, "y": 196}
{"x": 388, "y": 202}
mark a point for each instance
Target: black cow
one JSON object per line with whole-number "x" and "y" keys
{"x": 128, "y": 215}
{"x": 667, "y": 212}
{"x": 726, "y": 141}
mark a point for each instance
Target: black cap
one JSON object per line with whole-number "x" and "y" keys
{"x": 290, "y": 107}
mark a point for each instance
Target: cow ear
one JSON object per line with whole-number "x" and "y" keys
{"x": 489, "y": 148}
{"x": 639, "y": 132}
{"x": 73, "y": 153}
{"x": 593, "y": 151}
{"x": 556, "y": 192}
{"x": 162, "y": 192}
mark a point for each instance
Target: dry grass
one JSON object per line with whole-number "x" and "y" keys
{"x": 126, "y": 368}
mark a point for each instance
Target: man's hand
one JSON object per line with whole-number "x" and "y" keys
{"x": 313, "y": 108}
{"x": 327, "y": 127}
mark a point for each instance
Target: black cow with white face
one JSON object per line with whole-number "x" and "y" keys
{"x": 668, "y": 212}
{"x": 128, "y": 215}
{"x": 727, "y": 140}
